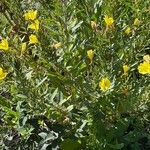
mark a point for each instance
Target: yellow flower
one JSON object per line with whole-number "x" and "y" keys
{"x": 30, "y": 15}
{"x": 90, "y": 55}
{"x": 108, "y": 20}
{"x": 128, "y": 30}
{"x": 2, "y": 74}
{"x": 144, "y": 68}
{"x": 104, "y": 84}
{"x": 93, "y": 25}
{"x": 146, "y": 58}
{"x": 126, "y": 69}
{"x": 136, "y": 22}
{"x": 34, "y": 25}
{"x": 4, "y": 44}
{"x": 33, "y": 39}
{"x": 57, "y": 45}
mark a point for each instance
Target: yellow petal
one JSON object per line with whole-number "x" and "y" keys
{"x": 136, "y": 22}
{"x": 1, "y": 71}
{"x": 33, "y": 39}
{"x": 4, "y": 44}
{"x": 126, "y": 69}
{"x": 108, "y": 20}
{"x": 2, "y": 74}
{"x": 104, "y": 84}
{"x": 30, "y": 15}
{"x": 34, "y": 25}
{"x": 144, "y": 68}
{"x": 128, "y": 30}
{"x": 90, "y": 54}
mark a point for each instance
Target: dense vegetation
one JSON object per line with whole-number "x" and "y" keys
{"x": 74, "y": 74}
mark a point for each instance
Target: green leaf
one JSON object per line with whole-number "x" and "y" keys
{"x": 11, "y": 113}
{"x": 54, "y": 95}
{"x": 42, "y": 135}
{"x": 69, "y": 108}
{"x": 77, "y": 26}
{"x": 44, "y": 147}
{"x": 4, "y": 102}
{"x": 64, "y": 100}
{"x": 21, "y": 96}
{"x": 29, "y": 75}
{"x": 41, "y": 82}
{"x": 117, "y": 146}
{"x": 69, "y": 144}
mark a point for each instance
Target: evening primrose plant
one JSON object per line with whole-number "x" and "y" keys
{"x": 4, "y": 44}
{"x": 74, "y": 75}
{"x": 30, "y": 15}
{"x": 3, "y": 74}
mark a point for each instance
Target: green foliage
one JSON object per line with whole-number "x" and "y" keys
{"x": 51, "y": 99}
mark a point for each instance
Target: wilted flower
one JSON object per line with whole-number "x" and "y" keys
{"x": 23, "y": 47}
{"x": 144, "y": 68}
{"x": 34, "y": 25}
{"x": 33, "y": 39}
{"x": 4, "y": 44}
{"x": 125, "y": 92}
{"x": 136, "y": 22}
{"x": 2, "y": 74}
{"x": 57, "y": 45}
{"x": 30, "y": 15}
{"x": 104, "y": 84}
{"x": 126, "y": 69}
{"x": 108, "y": 20}
{"x": 146, "y": 58}
{"x": 128, "y": 30}
{"x": 93, "y": 25}
{"x": 90, "y": 54}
